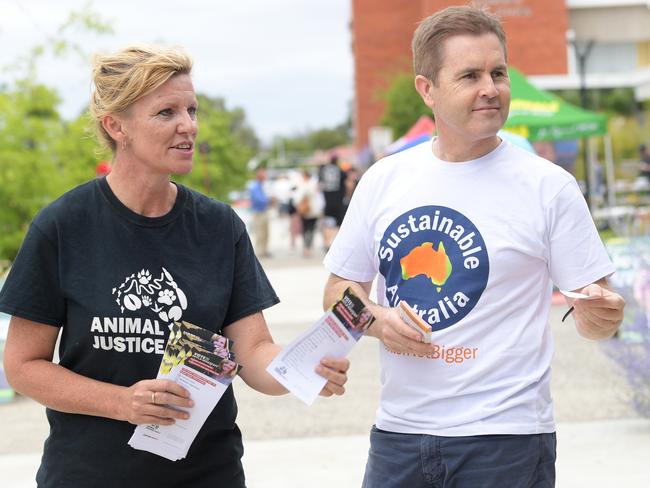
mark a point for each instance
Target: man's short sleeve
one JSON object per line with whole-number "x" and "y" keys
{"x": 577, "y": 256}
{"x": 251, "y": 290}
{"x": 351, "y": 254}
{"x": 32, "y": 290}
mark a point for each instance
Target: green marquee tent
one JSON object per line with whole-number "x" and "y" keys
{"x": 541, "y": 116}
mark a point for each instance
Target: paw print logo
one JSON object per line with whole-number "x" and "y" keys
{"x": 144, "y": 277}
{"x": 166, "y": 296}
{"x": 161, "y": 295}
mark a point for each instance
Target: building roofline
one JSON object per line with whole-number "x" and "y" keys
{"x": 578, "y": 4}
{"x": 631, "y": 79}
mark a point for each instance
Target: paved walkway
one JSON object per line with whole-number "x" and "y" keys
{"x": 600, "y": 454}
{"x": 601, "y": 443}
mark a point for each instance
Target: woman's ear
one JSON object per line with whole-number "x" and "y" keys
{"x": 115, "y": 128}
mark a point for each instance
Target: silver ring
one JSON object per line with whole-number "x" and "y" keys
{"x": 153, "y": 397}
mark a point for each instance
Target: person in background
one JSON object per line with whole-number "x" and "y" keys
{"x": 136, "y": 248}
{"x": 308, "y": 204}
{"x": 282, "y": 193}
{"x": 351, "y": 181}
{"x": 295, "y": 222}
{"x": 471, "y": 232}
{"x": 332, "y": 183}
{"x": 260, "y": 205}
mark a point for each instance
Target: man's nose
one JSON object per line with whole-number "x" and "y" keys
{"x": 488, "y": 87}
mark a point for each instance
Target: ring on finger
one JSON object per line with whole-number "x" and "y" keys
{"x": 153, "y": 397}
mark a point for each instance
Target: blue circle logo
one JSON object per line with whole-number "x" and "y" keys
{"x": 434, "y": 258}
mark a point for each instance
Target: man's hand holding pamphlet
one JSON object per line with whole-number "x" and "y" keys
{"x": 413, "y": 320}
{"x": 333, "y": 335}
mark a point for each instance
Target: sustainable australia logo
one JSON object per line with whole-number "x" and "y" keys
{"x": 435, "y": 259}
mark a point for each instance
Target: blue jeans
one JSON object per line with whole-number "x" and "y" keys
{"x": 483, "y": 461}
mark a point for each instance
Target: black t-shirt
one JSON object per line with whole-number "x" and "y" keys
{"x": 332, "y": 183}
{"x": 114, "y": 281}
{"x": 332, "y": 179}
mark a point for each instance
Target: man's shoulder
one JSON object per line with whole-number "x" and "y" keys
{"x": 399, "y": 160}
{"x": 525, "y": 162}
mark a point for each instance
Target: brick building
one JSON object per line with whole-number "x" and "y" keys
{"x": 538, "y": 32}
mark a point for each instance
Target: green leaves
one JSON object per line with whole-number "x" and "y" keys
{"x": 42, "y": 156}
{"x": 228, "y": 144}
{"x": 29, "y": 124}
{"x": 403, "y": 105}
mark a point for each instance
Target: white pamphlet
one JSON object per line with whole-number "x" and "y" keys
{"x": 202, "y": 363}
{"x": 333, "y": 335}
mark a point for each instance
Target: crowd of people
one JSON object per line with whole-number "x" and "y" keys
{"x": 310, "y": 201}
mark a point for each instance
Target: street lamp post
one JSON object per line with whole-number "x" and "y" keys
{"x": 582, "y": 51}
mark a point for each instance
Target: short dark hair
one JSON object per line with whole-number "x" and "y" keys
{"x": 429, "y": 37}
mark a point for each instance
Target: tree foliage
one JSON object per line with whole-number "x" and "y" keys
{"x": 614, "y": 101}
{"x": 225, "y": 145}
{"x": 42, "y": 156}
{"x": 29, "y": 124}
{"x": 314, "y": 140}
{"x": 296, "y": 150}
{"x": 403, "y": 103}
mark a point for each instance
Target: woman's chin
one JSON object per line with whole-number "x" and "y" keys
{"x": 182, "y": 170}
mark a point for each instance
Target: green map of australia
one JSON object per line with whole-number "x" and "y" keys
{"x": 427, "y": 261}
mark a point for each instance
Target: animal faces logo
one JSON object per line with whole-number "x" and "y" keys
{"x": 435, "y": 259}
{"x": 159, "y": 294}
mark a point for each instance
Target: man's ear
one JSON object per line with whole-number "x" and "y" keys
{"x": 114, "y": 126}
{"x": 424, "y": 87}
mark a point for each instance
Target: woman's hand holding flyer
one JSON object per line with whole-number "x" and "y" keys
{"x": 202, "y": 362}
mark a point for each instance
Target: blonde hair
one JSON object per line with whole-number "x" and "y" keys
{"x": 429, "y": 37}
{"x": 122, "y": 78}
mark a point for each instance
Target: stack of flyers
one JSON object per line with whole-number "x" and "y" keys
{"x": 413, "y": 320}
{"x": 333, "y": 335}
{"x": 203, "y": 363}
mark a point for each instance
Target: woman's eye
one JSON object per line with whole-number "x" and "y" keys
{"x": 165, "y": 112}
{"x": 192, "y": 112}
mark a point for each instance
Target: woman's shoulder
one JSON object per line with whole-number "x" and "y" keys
{"x": 71, "y": 203}
{"x": 210, "y": 211}
{"x": 205, "y": 204}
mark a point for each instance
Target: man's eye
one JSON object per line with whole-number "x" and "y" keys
{"x": 470, "y": 76}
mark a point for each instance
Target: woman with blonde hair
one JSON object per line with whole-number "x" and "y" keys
{"x": 111, "y": 265}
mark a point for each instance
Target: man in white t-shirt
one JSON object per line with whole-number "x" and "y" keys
{"x": 470, "y": 231}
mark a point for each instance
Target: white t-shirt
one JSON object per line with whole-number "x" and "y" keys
{"x": 474, "y": 247}
{"x": 309, "y": 189}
